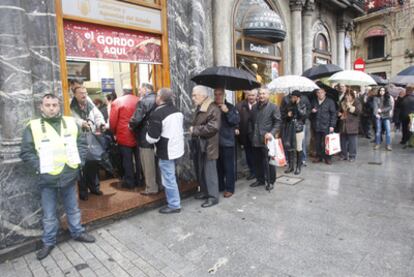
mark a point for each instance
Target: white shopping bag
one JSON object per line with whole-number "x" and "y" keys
{"x": 276, "y": 152}
{"x": 332, "y": 144}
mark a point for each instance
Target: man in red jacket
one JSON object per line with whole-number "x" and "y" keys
{"x": 121, "y": 111}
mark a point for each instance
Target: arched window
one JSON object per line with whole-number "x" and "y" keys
{"x": 321, "y": 43}
{"x": 254, "y": 51}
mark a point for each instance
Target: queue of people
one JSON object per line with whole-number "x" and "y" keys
{"x": 149, "y": 132}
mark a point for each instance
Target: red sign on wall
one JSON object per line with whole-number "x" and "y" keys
{"x": 359, "y": 64}
{"x": 91, "y": 41}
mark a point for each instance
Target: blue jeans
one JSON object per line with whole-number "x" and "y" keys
{"x": 386, "y": 124}
{"x": 169, "y": 181}
{"x": 349, "y": 145}
{"x": 50, "y": 219}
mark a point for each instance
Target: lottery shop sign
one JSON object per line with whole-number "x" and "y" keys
{"x": 97, "y": 42}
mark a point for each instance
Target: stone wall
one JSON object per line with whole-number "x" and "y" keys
{"x": 191, "y": 50}
{"x": 29, "y": 66}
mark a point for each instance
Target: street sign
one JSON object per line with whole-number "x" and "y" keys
{"x": 359, "y": 64}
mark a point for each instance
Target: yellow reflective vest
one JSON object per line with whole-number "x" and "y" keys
{"x": 43, "y": 133}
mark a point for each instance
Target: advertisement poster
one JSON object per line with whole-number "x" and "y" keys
{"x": 91, "y": 41}
{"x": 108, "y": 85}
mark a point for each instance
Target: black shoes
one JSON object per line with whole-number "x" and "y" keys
{"x": 299, "y": 162}
{"x": 256, "y": 184}
{"x": 200, "y": 196}
{"x": 97, "y": 192}
{"x": 44, "y": 252}
{"x": 85, "y": 237}
{"x": 168, "y": 210}
{"x": 250, "y": 177}
{"x": 209, "y": 202}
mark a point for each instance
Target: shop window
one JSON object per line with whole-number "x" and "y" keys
{"x": 376, "y": 47}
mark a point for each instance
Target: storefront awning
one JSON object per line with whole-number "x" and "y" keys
{"x": 263, "y": 23}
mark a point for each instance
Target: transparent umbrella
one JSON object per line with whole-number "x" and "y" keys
{"x": 289, "y": 83}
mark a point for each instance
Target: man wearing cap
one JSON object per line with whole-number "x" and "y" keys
{"x": 122, "y": 110}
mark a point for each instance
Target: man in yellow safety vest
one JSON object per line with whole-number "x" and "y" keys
{"x": 51, "y": 145}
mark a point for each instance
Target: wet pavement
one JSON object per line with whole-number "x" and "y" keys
{"x": 345, "y": 219}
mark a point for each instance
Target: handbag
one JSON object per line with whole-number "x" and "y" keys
{"x": 332, "y": 144}
{"x": 96, "y": 148}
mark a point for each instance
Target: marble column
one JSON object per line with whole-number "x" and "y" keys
{"x": 296, "y": 36}
{"x": 29, "y": 67}
{"x": 27, "y": 59}
{"x": 191, "y": 50}
{"x": 341, "y": 44}
{"x": 307, "y": 35}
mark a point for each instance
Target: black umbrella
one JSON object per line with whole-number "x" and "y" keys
{"x": 330, "y": 92}
{"x": 321, "y": 71}
{"x": 226, "y": 77}
{"x": 379, "y": 80}
{"x": 404, "y": 77}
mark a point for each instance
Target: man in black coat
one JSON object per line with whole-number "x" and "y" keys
{"x": 407, "y": 107}
{"x": 226, "y": 163}
{"x": 264, "y": 123}
{"x": 245, "y": 109}
{"x": 139, "y": 123}
{"x": 324, "y": 116}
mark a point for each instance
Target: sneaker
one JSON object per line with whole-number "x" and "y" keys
{"x": 44, "y": 252}
{"x": 388, "y": 147}
{"x": 376, "y": 147}
{"x": 168, "y": 210}
{"x": 85, "y": 237}
{"x": 351, "y": 160}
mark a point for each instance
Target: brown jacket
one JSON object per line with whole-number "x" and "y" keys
{"x": 349, "y": 121}
{"x": 206, "y": 124}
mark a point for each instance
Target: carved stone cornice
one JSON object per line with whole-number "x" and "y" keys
{"x": 296, "y": 5}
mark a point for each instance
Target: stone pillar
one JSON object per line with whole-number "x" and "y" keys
{"x": 348, "y": 65}
{"x": 16, "y": 99}
{"x": 222, "y": 32}
{"x": 296, "y": 37}
{"x": 341, "y": 44}
{"x": 29, "y": 66}
{"x": 307, "y": 35}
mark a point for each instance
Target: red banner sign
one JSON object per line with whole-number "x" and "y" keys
{"x": 91, "y": 41}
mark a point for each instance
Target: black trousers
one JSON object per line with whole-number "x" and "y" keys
{"x": 366, "y": 125}
{"x": 89, "y": 178}
{"x": 132, "y": 173}
{"x": 226, "y": 169}
{"x": 263, "y": 168}
{"x": 248, "y": 150}
{"x": 320, "y": 146}
{"x": 405, "y": 131}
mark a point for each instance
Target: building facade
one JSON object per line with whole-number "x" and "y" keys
{"x": 384, "y": 37}
{"x": 267, "y": 37}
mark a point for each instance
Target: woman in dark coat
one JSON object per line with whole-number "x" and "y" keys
{"x": 349, "y": 111}
{"x": 294, "y": 115}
